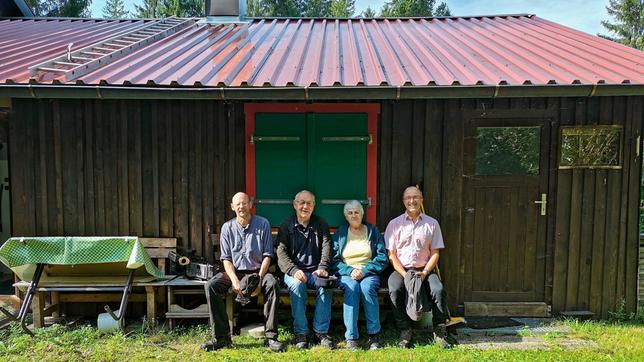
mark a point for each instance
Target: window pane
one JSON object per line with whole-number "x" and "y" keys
{"x": 590, "y": 147}
{"x": 507, "y": 150}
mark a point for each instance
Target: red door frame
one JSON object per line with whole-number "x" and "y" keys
{"x": 371, "y": 109}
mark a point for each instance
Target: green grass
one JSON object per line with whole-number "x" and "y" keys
{"x": 612, "y": 342}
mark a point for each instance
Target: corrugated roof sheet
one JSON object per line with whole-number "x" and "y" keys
{"x": 486, "y": 50}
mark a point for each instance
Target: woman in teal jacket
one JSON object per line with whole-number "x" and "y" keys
{"x": 359, "y": 258}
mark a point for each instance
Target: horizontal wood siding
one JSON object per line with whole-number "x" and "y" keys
{"x": 168, "y": 169}
{"x": 147, "y": 168}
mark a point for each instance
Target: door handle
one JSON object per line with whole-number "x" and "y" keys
{"x": 543, "y": 202}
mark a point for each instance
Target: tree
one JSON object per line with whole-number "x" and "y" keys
{"x": 369, "y": 13}
{"x": 315, "y": 8}
{"x": 286, "y": 8}
{"x": 401, "y": 8}
{"x": 342, "y": 8}
{"x": 61, "y": 8}
{"x": 181, "y": 8}
{"x": 114, "y": 9}
{"x": 629, "y": 22}
{"x": 254, "y": 8}
{"x": 149, "y": 9}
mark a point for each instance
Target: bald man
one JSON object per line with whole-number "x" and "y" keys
{"x": 246, "y": 248}
{"x": 413, "y": 241}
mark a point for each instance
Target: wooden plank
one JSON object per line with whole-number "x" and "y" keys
{"x": 122, "y": 180}
{"x": 553, "y": 181}
{"x": 99, "y": 107}
{"x": 417, "y": 154}
{"x": 37, "y": 310}
{"x": 526, "y": 309}
{"x": 401, "y": 152}
{"x": 148, "y": 177}
{"x": 90, "y": 192}
{"x": 180, "y": 177}
{"x": 99, "y": 297}
{"x": 79, "y": 172}
{"x": 158, "y": 242}
{"x": 166, "y": 149}
{"x": 385, "y": 210}
{"x": 111, "y": 168}
{"x": 208, "y": 177}
{"x": 133, "y": 164}
{"x": 70, "y": 176}
{"x": 194, "y": 179}
{"x": 154, "y": 122}
{"x": 632, "y": 165}
{"x": 572, "y": 283}
{"x": 58, "y": 167}
{"x": 40, "y": 173}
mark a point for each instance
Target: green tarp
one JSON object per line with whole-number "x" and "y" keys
{"x": 118, "y": 254}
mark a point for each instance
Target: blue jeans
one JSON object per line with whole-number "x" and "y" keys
{"x": 322, "y": 317}
{"x": 367, "y": 290}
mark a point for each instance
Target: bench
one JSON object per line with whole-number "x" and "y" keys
{"x": 157, "y": 248}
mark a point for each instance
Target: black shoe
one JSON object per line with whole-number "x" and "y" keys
{"x": 324, "y": 340}
{"x": 405, "y": 339}
{"x": 300, "y": 341}
{"x": 274, "y": 345}
{"x": 353, "y": 345}
{"x": 441, "y": 337}
{"x": 217, "y": 344}
{"x": 374, "y": 341}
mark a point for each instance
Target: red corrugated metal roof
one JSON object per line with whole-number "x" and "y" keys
{"x": 486, "y": 50}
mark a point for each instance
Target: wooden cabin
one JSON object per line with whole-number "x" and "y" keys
{"x": 524, "y": 135}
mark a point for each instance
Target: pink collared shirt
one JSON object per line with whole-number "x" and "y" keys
{"x": 413, "y": 241}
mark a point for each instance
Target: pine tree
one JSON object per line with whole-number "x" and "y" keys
{"x": 442, "y": 10}
{"x": 342, "y": 8}
{"x": 369, "y": 13}
{"x": 315, "y": 8}
{"x": 629, "y": 22}
{"x": 254, "y": 8}
{"x": 114, "y": 9}
{"x": 409, "y": 8}
{"x": 149, "y": 9}
{"x": 181, "y": 8}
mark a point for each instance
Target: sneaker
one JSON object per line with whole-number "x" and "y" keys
{"x": 274, "y": 345}
{"x": 405, "y": 339}
{"x": 374, "y": 341}
{"x": 441, "y": 337}
{"x": 353, "y": 345}
{"x": 300, "y": 341}
{"x": 217, "y": 344}
{"x": 325, "y": 340}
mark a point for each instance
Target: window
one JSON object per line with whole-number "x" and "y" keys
{"x": 507, "y": 150}
{"x": 591, "y": 147}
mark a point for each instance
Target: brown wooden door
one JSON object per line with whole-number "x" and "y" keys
{"x": 505, "y": 172}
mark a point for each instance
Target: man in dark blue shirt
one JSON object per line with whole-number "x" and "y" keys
{"x": 304, "y": 253}
{"x": 246, "y": 248}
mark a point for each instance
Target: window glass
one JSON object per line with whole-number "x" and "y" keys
{"x": 507, "y": 150}
{"x": 591, "y": 147}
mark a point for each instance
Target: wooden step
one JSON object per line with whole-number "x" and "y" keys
{"x": 507, "y": 309}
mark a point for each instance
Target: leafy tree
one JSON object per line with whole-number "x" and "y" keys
{"x": 342, "y": 8}
{"x": 114, "y": 9}
{"x": 369, "y": 13}
{"x": 149, "y": 9}
{"x": 254, "y": 8}
{"x": 286, "y": 8}
{"x": 60, "y": 8}
{"x": 398, "y": 8}
{"x": 629, "y": 22}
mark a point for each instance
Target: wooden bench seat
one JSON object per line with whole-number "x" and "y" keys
{"x": 93, "y": 292}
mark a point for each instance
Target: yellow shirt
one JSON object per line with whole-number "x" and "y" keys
{"x": 357, "y": 251}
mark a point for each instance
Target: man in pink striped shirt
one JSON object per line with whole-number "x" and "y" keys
{"x": 413, "y": 241}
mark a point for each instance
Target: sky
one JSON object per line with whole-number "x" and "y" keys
{"x": 584, "y": 15}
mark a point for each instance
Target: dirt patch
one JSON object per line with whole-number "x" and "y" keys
{"x": 484, "y": 342}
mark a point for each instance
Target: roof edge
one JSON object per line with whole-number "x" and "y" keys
{"x": 318, "y": 93}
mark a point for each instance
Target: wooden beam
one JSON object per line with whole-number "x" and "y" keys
{"x": 503, "y": 309}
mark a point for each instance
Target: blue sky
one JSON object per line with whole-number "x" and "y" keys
{"x": 584, "y": 15}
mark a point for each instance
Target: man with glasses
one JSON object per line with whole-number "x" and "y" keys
{"x": 413, "y": 241}
{"x": 304, "y": 254}
{"x": 246, "y": 250}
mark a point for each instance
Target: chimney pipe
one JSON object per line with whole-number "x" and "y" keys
{"x": 226, "y": 10}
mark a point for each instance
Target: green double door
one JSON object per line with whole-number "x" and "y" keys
{"x": 325, "y": 153}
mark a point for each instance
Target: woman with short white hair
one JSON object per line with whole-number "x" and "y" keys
{"x": 359, "y": 258}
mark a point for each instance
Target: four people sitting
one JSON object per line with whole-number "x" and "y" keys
{"x": 306, "y": 254}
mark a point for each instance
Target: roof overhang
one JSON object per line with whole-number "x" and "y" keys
{"x": 318, "y": 93}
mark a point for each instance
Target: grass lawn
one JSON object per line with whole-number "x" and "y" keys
{"x": 603, "y": 341}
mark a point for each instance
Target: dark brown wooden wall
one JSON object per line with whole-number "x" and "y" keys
{"x": 168, "y": 168}
{"x": 146, "y": 168}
